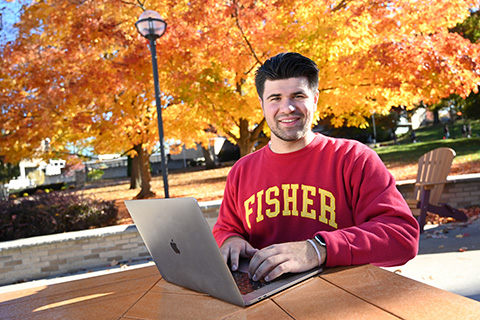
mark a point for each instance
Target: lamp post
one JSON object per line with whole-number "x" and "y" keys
{"x": 374, "y": 129}
{"x": 151, "y": 26}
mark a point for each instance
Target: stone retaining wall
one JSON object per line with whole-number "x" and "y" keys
{"x": 46, "y": 256}
{"x": 52, "y": 255}
{"x": 461, "y": 191}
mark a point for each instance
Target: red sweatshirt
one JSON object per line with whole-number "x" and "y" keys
{"x": 337, "y": 188}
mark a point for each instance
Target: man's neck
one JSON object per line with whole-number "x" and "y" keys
{"x": 278, "y": 145}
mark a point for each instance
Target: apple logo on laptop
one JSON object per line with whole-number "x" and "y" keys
{"x": 174, "y": 247}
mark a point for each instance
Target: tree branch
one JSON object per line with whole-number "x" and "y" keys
{"x": 126, "y": 152}
{"x": 231, "y": 135}
{"x": 244, "y": 36}
{"x": 256, "y": 132}
{"x": 142, "y": 5}
{"x": 250, "y": 70}
{"x": 341, "y": 5}
{"x": 63, "y": 153}
{"x": 352, "y": 84}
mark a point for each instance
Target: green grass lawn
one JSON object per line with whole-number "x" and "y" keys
{"x": 431, "y": 137}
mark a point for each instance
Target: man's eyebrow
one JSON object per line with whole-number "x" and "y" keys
{"x": 274, "y": 95}
{"x": 298, "y": 92}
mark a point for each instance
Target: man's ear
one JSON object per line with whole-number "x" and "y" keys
{"x": 261, "y": 104}
{"x": 315, "y": 99}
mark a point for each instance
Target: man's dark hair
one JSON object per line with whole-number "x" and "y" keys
{"x": 284, "y": 66}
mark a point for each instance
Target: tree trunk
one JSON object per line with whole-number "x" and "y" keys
{"x": 4, "y": 192}
{"x": 135, "y": 178}
{"x": 436, "y": 117}
{"x": 248, "y": 139}
{"x": 209, "y": 158}
{"x": 146, "y": 177}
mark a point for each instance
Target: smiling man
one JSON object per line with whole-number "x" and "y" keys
{"x": 306, "y": 199}
{"x": 288, "y": 106}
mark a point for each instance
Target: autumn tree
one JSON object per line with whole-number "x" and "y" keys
{"x": 470, "y": 106}
{"x": 372, "y": 55}
{"x": 79, "y": 71}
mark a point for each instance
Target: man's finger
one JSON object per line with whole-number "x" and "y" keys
{"x": 262, "y": 261}
{"x": 279, "y": 270}
{"x": 234, "y": 256}
{"x": 250, "y": 251}
{"x": 225, "y": 251}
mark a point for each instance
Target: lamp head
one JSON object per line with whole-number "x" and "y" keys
{"x": 151, "y": 25}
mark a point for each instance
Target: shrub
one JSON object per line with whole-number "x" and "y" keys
{"x": 95, "y": 174}
{"x": 54, "y": 212}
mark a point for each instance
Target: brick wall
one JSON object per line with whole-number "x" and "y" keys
{"x": 460, "y": 192}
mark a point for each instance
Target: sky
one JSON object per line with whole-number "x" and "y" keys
{"x": 10, "y": 14}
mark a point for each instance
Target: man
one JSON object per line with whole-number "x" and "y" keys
{"x": 306, "y": 199}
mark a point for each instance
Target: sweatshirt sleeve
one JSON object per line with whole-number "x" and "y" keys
{"x": 228, "y": 222}
{"x": 385, "y": 231}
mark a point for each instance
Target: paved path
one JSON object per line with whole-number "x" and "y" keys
{"x": 449, "y": 258}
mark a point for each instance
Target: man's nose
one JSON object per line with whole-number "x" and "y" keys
{"x": 288, "y": 106}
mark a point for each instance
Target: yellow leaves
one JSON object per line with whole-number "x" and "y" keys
{"x": 371, "y": 57}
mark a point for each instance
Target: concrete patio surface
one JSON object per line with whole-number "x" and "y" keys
{"x": 448, "y": 258}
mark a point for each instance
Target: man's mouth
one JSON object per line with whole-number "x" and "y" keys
{"x": 288, "y": 121}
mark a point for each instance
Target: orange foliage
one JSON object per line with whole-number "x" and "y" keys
{"x": 79, "y": 72}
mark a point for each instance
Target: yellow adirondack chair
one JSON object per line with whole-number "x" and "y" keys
{"x": 433, "y": 169}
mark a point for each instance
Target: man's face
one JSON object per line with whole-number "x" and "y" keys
{"x": 288, "y": 106}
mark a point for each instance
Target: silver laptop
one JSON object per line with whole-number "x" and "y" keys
{"x": 182, "y": 245}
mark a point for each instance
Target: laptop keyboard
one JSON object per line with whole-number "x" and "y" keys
{"x": 245, "y": 284}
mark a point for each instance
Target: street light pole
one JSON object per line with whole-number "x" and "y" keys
{"x": 374, "y": 129}
{"x": 151, "y": 26}
{"x": 159, "y": 116}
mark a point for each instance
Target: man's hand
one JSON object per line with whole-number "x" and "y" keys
{"x": 234, "y": 248}
{"x": 275, "y": 260}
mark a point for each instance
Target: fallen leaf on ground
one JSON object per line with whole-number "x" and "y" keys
{"x": 207, "y": 185}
